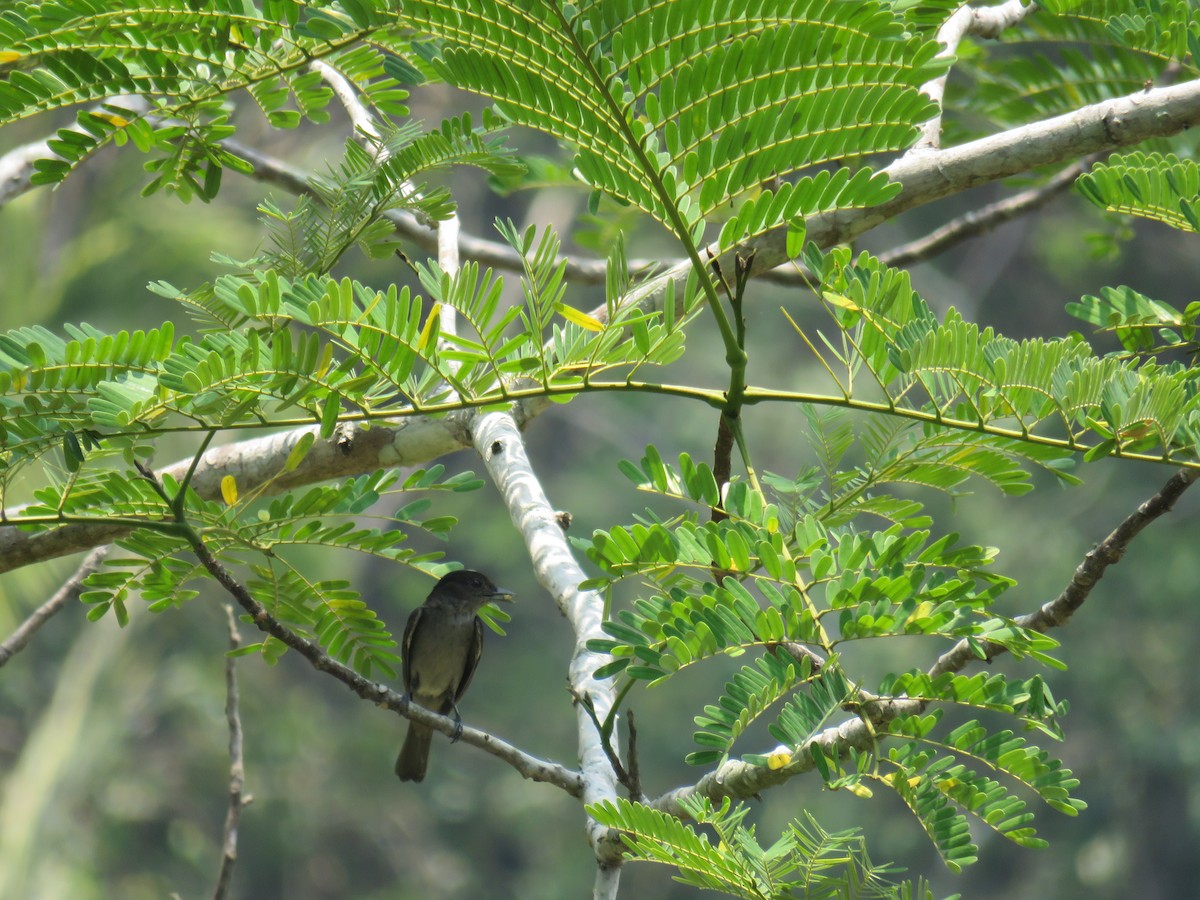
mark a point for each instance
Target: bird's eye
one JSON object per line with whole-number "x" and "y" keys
{"x": 475, "y": 582}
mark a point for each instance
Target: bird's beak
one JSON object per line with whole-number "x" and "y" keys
{"x": 501, "y": 594}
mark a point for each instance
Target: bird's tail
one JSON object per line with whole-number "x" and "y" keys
{"x": 414, "y": 755}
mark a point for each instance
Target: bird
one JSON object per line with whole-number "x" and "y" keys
{"x": 441, "y": 647}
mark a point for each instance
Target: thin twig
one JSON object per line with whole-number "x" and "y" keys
{"x": 528, "y": 766}
{"x": 578, "y": 270}
{"x": 978, "y": 221}
{"x": 1090, "y": 570}
{"x": 70, "y": 590}
{"x": 237, "y": 769}
{"x": 614, "y": 758}
{"x": 635, "y": 770}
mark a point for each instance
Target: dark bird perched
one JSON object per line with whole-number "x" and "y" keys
{"x": 442, "y": 643}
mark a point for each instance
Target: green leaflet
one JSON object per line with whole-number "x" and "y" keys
{"x": 806, "y": 861}
{"x": 1055, "y": 393}
{"x": 1154, "y": 186}
{"x": 682, "y": 112}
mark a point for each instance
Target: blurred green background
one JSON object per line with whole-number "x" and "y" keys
{"x": 113, "y": 747}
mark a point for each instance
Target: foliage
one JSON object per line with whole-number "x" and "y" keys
{"x": 800, "y": 591}
{"x": 1083, "y": 51}
{"x": 806, "y": 859}
{"x": 758, "y": 116}
{"x": 1154, "y": 186}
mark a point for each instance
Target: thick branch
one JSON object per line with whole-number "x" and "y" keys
{"x": 961, "y": 228}
{"x": 741, "y": 780}
{"x": 499, "y": 443}
{"x": 934, "y": 174}
{"x": 986, "y": 21}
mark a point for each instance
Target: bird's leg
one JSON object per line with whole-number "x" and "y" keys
{"x": 458, "y": 724}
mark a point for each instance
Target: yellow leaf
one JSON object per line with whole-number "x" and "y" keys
{"x": 778, "y": 760}
{"x": 431, "y": 322}
{"x": 1138, "y": 431}
{"x": 924, "y": 608}
{"x": 326, "y": 361}
{"x": 860, "y": 790}
{"x": 7, "y": 56}
{"x": 579, "y": 317}
{"x": 229, "y": 491}
{"x": 838, "y": 300}
{"x": 119, "y": 121}
{"x": 946, "y": 785}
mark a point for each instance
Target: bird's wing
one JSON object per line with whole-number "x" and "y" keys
{"x": 472, "y": 659}
{"x": 406, "y": 647}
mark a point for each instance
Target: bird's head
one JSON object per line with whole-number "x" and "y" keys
{"x": 468, "y": 588}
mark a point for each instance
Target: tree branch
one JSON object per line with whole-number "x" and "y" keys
{"x": 1090, "y": 570}
{"x": 16, "y": 167}
{"x": 741, "y": 780}
{"x": 978, "y": 221}
{"x": 70, "y": 590}
{"x": 499, "y": 444}
{"x": 987, "y": 21}
{"x": 360, "y": 116}
{"x": 577, "y": 270}
{"x": 497, "y": 440}
{"x": 930, "y": 176}
{"x": 237, "y": 767}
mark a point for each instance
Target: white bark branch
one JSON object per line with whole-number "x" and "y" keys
{"x": 986, "y": 21}
{"x": 499, "y": 444}
{"x": 16, "y": 168}
{"x": 360, "y": 116}
{"x": 926, "y": 177}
